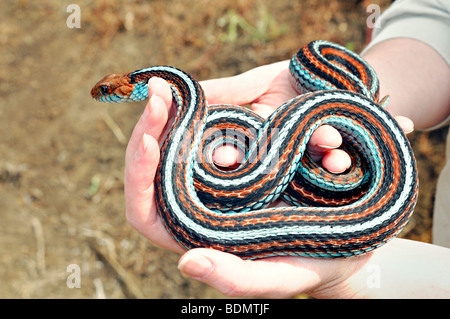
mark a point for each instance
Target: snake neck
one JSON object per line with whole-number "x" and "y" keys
{"x": 179, "y": 149}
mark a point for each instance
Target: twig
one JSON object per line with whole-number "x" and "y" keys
{"x": 114, "y": 128}
{"x": 99, "y": 291}
{"x": 40, "y": 244}
{"x": 130, "y": 286}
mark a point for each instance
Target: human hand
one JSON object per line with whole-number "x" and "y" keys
{"x": 264, "y": 89}
{"x": 213, "y": 267}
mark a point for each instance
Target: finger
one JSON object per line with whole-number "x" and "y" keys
{"x": 161, "y": 88}
{"x": 139, "y": 176}
{"x": 140, "y": 167}
{"x": 264, "y": 110}
{"x": 140, "y": 195}
{"x": 405, "y": 123}
{"x": 243, "y": 88}
{"x": 324, "y": 139}
{"x": 152, "y": 122}
{"x": 232, "y": 276}
{"x": 227, "y": 156}
{"x": 336, "y": 161}
{"x": 322, "y": 147}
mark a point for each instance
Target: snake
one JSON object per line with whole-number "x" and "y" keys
{"x": 235, "y": 210}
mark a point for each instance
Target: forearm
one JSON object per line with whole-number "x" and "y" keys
{"x": 416, "y": 77}
{"x": 404, "y": 269}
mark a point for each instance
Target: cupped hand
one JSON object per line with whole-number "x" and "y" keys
{"x": 264, "y": 89}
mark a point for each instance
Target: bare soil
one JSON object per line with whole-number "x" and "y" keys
{"x": 62, "y": 154}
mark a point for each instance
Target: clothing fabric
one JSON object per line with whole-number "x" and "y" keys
{"x": 427, "y": 21}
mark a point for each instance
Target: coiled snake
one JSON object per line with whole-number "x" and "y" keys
{"x": 331, "y": 216}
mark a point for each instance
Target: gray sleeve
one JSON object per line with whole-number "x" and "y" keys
{"x": 425, "y": 20}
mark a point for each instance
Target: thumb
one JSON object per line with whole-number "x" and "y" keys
{"x": 142, "y": 157}
{"x": 276, "y": 277}
{"x": 140, "y": 167}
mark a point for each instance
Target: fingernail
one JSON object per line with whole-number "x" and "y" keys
{"x": 327, "y": 147}
{"x": 152, "y": 100}
{"x": 195, "y": 266}
{"x": 149, "y": 106}
{"x": 337, "y": 171}
{"x": 405, "y": 123}
{"x": 142, "y": 147}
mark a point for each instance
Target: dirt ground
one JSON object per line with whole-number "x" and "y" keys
{"x": 62, "y": 154}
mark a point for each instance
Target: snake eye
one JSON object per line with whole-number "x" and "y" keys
{"x": 104, "y": 89}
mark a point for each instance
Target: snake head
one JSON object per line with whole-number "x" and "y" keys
{"x": 112, "y": 88}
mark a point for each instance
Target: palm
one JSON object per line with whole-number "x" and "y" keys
{"x": 264, "y": 88}
{"x": 280, "y": 90}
